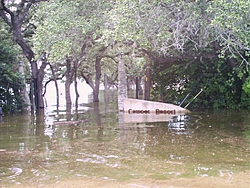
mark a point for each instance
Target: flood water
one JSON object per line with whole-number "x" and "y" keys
{"x": 96, "y": 143}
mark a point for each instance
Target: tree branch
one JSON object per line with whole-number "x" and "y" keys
{"x": 4, "y": 16}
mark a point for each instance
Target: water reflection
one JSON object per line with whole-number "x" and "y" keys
{"x": 39, "y": 150}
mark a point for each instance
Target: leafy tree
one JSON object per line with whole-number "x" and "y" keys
{"x": 245, "y": 98}
{"x": 230, "y": 23}
{"x": 16, "y": 16}
{"x": 181, "y": 38}
{"x": 204, "y": 40}
{"x": 11, "y": 83}
{"x": 73, "y": 30}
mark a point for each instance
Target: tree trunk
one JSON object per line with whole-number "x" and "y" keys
{"x": 40, "y": 77}
{"x": 140, "y": 87}
{"x": 76, "y": 88}
{"x": 56, "y": 86}
{"x": 97, "y": 79}
{"x": 15, "y": 20}
{"x": 67, "y": 84}
{"x": 147, "y": 85}
{"x": 89, "y": 81}
{"x": 37, "y": 78}
{"x": 77, "y": 95}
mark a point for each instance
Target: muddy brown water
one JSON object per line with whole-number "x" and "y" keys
{"x": 92, "y": 147}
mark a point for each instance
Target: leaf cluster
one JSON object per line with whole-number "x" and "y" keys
{"x": 10, "y": 80}
{"x": 185, "y": 39}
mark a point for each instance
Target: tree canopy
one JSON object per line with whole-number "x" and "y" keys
{"x": 191, "y": 46}
{"x": 11, "y": 79}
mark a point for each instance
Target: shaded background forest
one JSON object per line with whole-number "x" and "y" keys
{"x": 196, "y": 50}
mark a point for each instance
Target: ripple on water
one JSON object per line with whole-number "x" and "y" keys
{"x": 10, "y": 173}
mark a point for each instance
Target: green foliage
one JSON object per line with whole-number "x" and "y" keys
{"x": 245, "y": 98}
{"x": 246, "y": 86}
{"x": 51, "y": 33}
{"x": 10, "y": 80}
{"x": 71, "y": 29}
{"x": 186, "y": 31}
{"x": 167, "y": 83}
{"x": 65, "y": 25}
{"x": 231, "y": 24}
{"x": 220, "y": 84}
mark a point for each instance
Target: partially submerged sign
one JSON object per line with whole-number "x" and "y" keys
{"x": 136, "y": 106}
{"x": 136, "y": 110}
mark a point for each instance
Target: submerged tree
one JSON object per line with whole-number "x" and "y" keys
{"x": 183, "y": 36}
{"x": 208, "y": 45}
{"x": 173, "y": 37}
{"x": 72, "y": 30}
{"x": 11, "y": 81}
{"x": 16, "y": 15}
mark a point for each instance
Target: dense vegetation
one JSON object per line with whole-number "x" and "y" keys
{"x": 197, "y": 50}
{"x": 212, "y": 72}
{"x": 201, "y": 85}
{"x": 11, "y": 79}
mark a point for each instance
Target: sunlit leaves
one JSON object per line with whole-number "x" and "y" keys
{"x": 187, "y": 30}
{"x": 246, "y": 86}
{"x": 162, "y": 27}
{"x": 231, "y": 22}
{"x": 53, "y": 34}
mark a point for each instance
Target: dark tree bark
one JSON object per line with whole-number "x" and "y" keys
{"x": 97, "y": 79}
{"x": 75, "y": 83}
{"x": 40, "y": 77}
{"x": 147, "y": 85}
{"x": 15, "y": 20}
{"x": 95, "y": 86}
{"x": 109, "y": 82}
{"x": 68, "y": 76}
{"x": 56, "y": 85}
